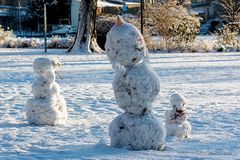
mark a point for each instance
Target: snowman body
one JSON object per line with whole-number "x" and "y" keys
{"x": 176, "y": 119}
{"x": 135, "y": 86}
{"x": 137, "y": 132}
{"x": 136, "y": 89}
{"x": 48, "y": 107}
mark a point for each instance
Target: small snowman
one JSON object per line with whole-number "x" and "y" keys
{"x": 48, "y": 107}
{"x": 176, "y": 119}
{"x": 135, "y": 86}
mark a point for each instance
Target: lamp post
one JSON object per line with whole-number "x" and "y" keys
{"x": 45, "y": 3}
{"x": 19, "y": 16}
{"x": 45, "y": 26}
{"x": 142, "y": 9}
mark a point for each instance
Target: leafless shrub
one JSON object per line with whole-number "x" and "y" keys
{"x": 227, "y": 36}
{"x": 135, "y": 20}
{"x": 5, "y": 35}
{"x": 231, "y": 12}
{"x": 58, "y": 42}
{"x": 174, "y": 22}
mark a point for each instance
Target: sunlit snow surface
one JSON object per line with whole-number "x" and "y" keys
{"x": 209, "y": 81}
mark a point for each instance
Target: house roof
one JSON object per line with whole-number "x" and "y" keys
{"x": 107, "y": 4}
{"x": 111, "y": 4}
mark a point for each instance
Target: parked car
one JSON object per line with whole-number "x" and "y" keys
{"x": 63, "y": 30}
{"x": 212, "y": 26}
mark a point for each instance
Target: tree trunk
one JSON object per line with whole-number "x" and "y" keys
{"x": 85, "y": 40}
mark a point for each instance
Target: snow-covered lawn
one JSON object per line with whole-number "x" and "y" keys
{"x": 209, "y": 81}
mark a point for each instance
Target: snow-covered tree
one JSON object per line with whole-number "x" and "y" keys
{"x": 85, "y": 40}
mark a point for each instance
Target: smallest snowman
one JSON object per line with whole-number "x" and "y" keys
{"x": 176, "y": 119}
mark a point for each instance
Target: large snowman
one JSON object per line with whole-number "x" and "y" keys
{"x": 48, "y": 106}
{"x": 135, "y": 86}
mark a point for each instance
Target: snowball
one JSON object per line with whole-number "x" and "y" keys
{"x": 46, "y": 68}
{"x": 177, "y": 101}
{"x": 137, "y": 132}
{"x": 125, "y": 44}
{"x": 47, "y": 112}
{"x": 42, "y": 65}
{"x": 181, "y": 130}
{"x": 136, "y": 89}
{"x": 43, "y": 89}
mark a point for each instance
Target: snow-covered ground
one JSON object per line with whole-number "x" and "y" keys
{"x": 209, "y": 81}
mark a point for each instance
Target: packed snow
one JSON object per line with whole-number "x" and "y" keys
{"x": 210, "y": 83}
{"x": 176, "y": 122}
{"x": 136, "y": 85}
{"x": 48, "y": 107}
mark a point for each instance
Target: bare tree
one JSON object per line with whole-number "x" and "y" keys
{"x": 85, "y": 40}
{"x": 173, "y": 22}
{"x": 231, "y": 10}
{"x": 227, "y": 36}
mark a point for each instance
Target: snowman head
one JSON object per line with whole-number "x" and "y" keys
{"x": 178, "y": 103}
{"x": 125, "y": 44}
{"x": 45, "y": 65}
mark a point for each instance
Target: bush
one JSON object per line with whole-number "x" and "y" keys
{"x": 5, "y": 35}
{"x": 173, "y": 22}
{"x": 227, "y": 36}
{"x": 60, "y": 43}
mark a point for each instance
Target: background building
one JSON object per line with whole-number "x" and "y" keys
{"x": 12, "y": 13}
{"x": 205, "y": 8}
{"x": 23, "y": 3}
{"x": 74, "y": 12}
{"x": 27, "y": 15}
